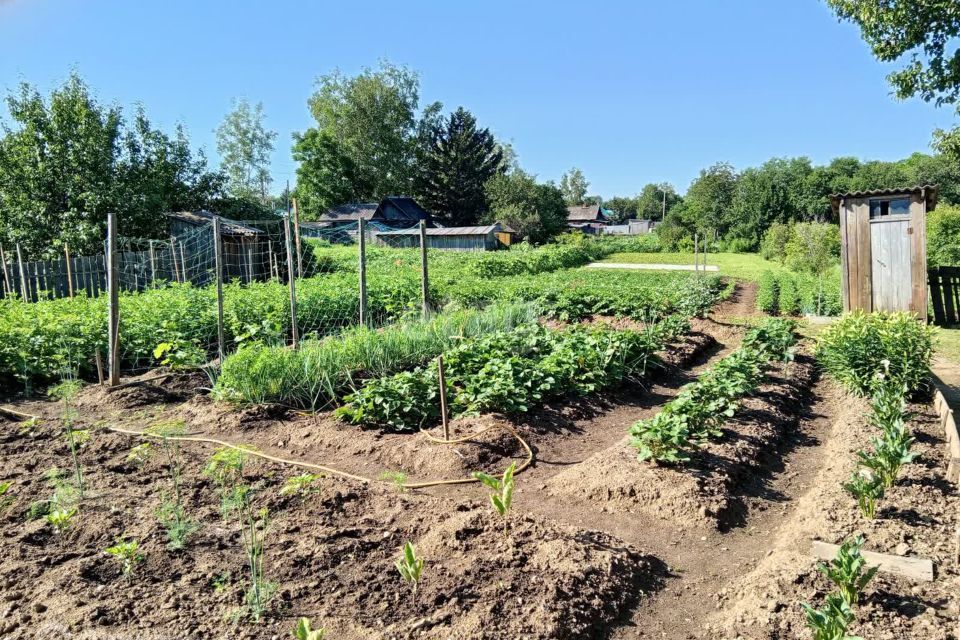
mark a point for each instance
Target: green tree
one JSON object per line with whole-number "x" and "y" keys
{"x": 454, "y": 163}
{"x": 709, "y": 199}
{"x": 534, "y": 210}
{"x": 326, "y": 175}
{"x": 245, "y": 144}
{"x": 623, "y": 208}
{"x": 773, "y": 192}
{"x": 650, "y": 202}
{"x": 372, "y": 119}
{"x": 573, "y": 186}
{"x": 66, "y": 160}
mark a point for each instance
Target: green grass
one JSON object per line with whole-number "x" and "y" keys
{"x": 947, "y": 344}
{"x": 746, "y": 266}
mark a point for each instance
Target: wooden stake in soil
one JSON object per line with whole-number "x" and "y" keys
{"x": 424, "y": 280}
{"x": 113, "y": 293}
{"x": 153, "y": 265}
{"x": 173, "y": 257}
{"x": 292, "y": 281}
{"x": 908, "y": 567}
{"x": 23, "y": 274}
{"x": 696, "y": 244}
{"x": 362, "y": 242}
{"x": 6, "y": 277}
{"x": 296, "y": 237}
{"x": 443, "y": 399}
{"x": 66, "y": 255}
{"x": 99, "y": 362}
{"x": 218, "y": 274}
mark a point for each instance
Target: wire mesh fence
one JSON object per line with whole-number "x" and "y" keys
{"x": 216, "y": 285}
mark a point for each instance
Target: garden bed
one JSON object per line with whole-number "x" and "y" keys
{"x": 708, "y": 490}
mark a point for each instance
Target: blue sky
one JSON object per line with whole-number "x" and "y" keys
{"x": 630, "y": 92}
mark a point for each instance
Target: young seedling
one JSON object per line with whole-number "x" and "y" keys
{"x": 410, "y": 566}
{"x": 302, "y": 485}
{"x": 867, "y": 488}
{"x": 226, "y": 470}
{"x": 831, "y": 621}
{"x": 128, "y": 553}
{"x": 140, "y": 454}
{"x": 304, "y": 631}
{"x": 502, "y": 498}
{"x": 6, "y": 498}
{"x": 849, "y": 571}
{"x": 398, "y": 478}
{"x": 171, "y": 514}
{"x": 66, "y": 392}
{"x": 60, "y": 519}
{"x": 887, "y": 457}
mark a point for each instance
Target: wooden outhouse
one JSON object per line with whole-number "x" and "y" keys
{"x": 883, "y": 248}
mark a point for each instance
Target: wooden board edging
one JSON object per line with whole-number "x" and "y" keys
{"x": 908, "y": 567}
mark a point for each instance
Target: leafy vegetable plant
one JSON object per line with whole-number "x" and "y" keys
{"x": 410, "y": 566}
{"x": 502, "y": 496}
{"x": 867, "y": 488}
{"x": 849, "y": 571}
{"x": 60, "y": 519}
{"x": 305, "y": 631}
{"x": 831, "y": 621}
{"x": 302, "y": 485}
{"x": 128, "y": 553}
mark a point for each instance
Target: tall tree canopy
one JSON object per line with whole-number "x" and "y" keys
{"x": 650, "y": 201}
{"x": 534, "y": 210}
{"x": 326, "y": 175}
{"x": 710, "y": 197}
{"x": 454, "y": 163}
{"x": 66, "y": 160}
{"x": 371, "y": 120}
{"x": 573, "y": 186}
{"x": 245, "y": 144}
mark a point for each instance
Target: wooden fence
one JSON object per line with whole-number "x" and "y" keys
{"x": 945, "y": 295}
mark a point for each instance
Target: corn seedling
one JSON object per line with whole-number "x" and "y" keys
{"x": 397, "y": 478}
{"x": 502, "y": 498}
{"x": 171, "y": 514}
{"x": 60, "y": 519}
{"x": 849, "y": 570}
{"x": 6, "y": 498}
{"x": 410, "y": 566}
{"x": 128, "y": 553}
{"x": 305, "y": 631}
{"x": 140, "y": 454}
{"x": 867, "y": 488}
{"x": 831, "y": 621}
{"x": 66, "y": 392}
{"x": 302, "y": 485}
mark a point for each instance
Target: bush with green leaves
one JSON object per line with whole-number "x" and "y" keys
{"x": 768, "y": 292}
{"x": 859, "y": 345}
{"x": 789, "y": 299}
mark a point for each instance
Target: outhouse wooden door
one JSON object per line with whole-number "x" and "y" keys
{"x": 892, "y": 276}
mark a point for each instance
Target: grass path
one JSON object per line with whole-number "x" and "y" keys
{"x": 746, "y": 266}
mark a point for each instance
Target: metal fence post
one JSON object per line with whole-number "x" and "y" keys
{"x": 361, "y": 231}
{"x": 291, "y": 279}
{"x": 425, "y": 282}
{"x": 153, "y": 265}
{"x": 6, "y": 278}
{"x": 113, "y": 297}
{"x": 218, "y": 269}
{"x": 296, "y": 237}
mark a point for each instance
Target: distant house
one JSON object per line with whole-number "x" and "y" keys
{"x": 396, "y": 212}
{"x": 481, "y": 238}
{"x": 589, "y": 218}
{"x": 630, "y": 228}
{"x": 246, "y": 249}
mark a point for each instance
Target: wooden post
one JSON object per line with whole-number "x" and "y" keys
{"x": 361, "y": 235}
{"x": 23, "y": 274}
{"x": 99, "y": 361}
{"x": 292, "y": 281}
{"x": 296, "y": 237}
{"x": 173, "y": 257}
{"x": 443, "y": 398}
{"x": 183, "y": 263}
{"x": 696, "y": 245}
{"x": 706, "y": 248}
{"x": 113, "y": 293}
{"x": 66, "y": 253}
{"x": 424, "y": 279}
{"x": 218, "y": 268}
{"x": 6, "y": 277}
{"x": 153, "y": 265}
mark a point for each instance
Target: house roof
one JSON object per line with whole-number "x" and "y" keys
{"x": 350, "y": 212}
{"x": 926, "y": 191}
{"x": 227, "y": 226}
{"x": 586, "y": 213}
{"x": 452, "y": 231}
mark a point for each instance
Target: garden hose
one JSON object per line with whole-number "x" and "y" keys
{"x": 329, "y": 470}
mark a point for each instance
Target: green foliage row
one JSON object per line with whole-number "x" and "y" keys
{"x": 508, "y": 372}
{"x": 320, "y": 371}
{"x": 790, "y": 294}
{"x": 859, "y": 345}
{"x": 699, "y": 411}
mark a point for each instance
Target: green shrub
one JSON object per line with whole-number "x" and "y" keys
{"x": 943, "y": 236}
{"x": 768, "y": 293}
{"x": 813, "y": 247}
{"x": 789, "y": 298}
{"x": 819, "y": 295}
{"x": 774, "y": 243}
{"x": 861, "y": 345}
